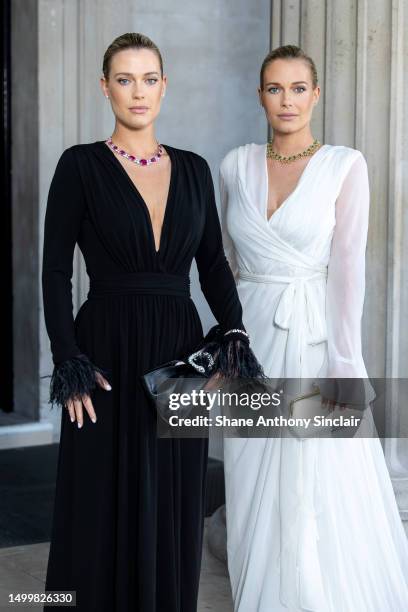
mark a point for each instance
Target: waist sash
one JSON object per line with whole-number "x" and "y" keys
{"x": 145, "y": 283}
{"x": 297, "y": 312}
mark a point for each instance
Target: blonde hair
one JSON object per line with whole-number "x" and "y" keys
{"x": 288, "y": 52}
{"x": 131, "y": 40}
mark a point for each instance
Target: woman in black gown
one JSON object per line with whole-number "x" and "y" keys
{"x": 128, "y": 515}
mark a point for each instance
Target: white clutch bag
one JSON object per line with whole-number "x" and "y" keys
{"x": 308, "y": 406}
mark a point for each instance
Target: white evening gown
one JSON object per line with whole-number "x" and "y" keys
{"x": 313, "y": 524}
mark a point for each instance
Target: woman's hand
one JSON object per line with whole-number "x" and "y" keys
{"x": 331, "y": 404}
{"x": 74, "y": 406}
{"x": 213, "y": 382}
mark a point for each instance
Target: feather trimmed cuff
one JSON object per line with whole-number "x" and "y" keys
{"x": 73, "y": 378}
{"x": 227, "y": 354}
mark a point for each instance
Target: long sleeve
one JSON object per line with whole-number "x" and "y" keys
{"x": 231, "y": 352}
{"x": 229, "y": 248}
{"x": 346, "y": 287}
{"x": 65, "y": 209}
{"x": 346, "y": 274}
{"x": 74, "y": 375}
{"x": 216, "y": 278}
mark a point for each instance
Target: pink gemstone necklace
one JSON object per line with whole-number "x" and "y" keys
{"x": 141, "y": 161}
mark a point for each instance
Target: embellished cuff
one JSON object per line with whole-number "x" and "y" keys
{"x": 73, "y": 378}
{"x": 227, "y": 354}
{"x": 236, "y": 334}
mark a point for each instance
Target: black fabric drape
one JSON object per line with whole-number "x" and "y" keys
{"x": 128, "y": 515}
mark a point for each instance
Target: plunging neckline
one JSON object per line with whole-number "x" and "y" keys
{"x": 142, "y": 200}
{"x": 297, "y": 186}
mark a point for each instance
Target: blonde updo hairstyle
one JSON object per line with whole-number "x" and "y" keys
{"x": 131, "y": 40}
{"x": 288, "y": 52}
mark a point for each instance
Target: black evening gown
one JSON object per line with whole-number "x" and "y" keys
{"x": 129, "y": 507}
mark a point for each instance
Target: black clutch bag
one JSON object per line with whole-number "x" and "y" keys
{"x": 173, "y": 377}
{"x": 226, "y": 354}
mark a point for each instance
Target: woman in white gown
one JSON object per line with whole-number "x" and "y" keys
{"x": 312, "y": 524}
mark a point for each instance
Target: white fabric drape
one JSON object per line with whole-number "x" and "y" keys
{"x": 311, "y": 525}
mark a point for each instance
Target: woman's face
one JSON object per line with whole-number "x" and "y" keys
{"x": 288, "y": 96}
{"x": 135, "y": 87}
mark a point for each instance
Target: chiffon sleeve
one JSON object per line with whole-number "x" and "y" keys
{"x": 73, "y": 374}
{"x": 346, "y": 285}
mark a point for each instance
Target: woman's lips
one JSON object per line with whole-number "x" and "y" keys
{"x": 138, "y": 110}
{"x": 287, "y": 117}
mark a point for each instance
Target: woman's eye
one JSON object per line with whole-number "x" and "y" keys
{"x": 274, "y": 89}
{"x": 152, "y": 81}
{"x": 121, "y": 81}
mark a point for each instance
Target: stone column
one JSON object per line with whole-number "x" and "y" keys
{"x": 396, "y": 445}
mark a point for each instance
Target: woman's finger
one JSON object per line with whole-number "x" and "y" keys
{"x": 333, "y": 403}
{"x": 102, "y": 382}
{"x": 328, "y": 404}
{"x": 89, "y": 408}
{"x": 213, "y": 382}
{"x": 71, "y": 410}
{"x": 79, "y": 412}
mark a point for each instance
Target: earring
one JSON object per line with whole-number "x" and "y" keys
{"x": 107, "y": 97}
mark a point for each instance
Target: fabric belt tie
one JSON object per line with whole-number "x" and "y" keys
{"x": 298, "y": 562}
{"x": 297, "y": 306}
{"x": 145, "y": 283}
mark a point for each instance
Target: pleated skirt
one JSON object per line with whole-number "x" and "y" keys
{"x": 129, "y": 506}
{"x": 313, "y": 525}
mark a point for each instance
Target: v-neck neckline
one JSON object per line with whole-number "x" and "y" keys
{"x": 169, "y": 151}
{"x": 292, "y": 193}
